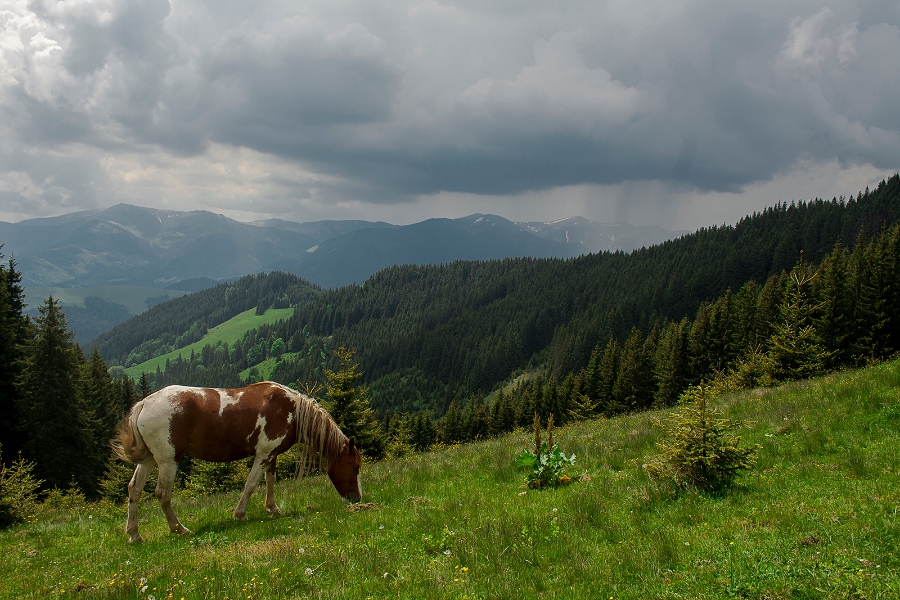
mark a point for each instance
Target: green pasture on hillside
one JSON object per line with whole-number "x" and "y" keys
{"x": 230, "y": 331}
{"x": 817, "y": 518}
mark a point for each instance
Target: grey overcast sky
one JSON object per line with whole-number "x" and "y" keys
{"x": 675, "y": 113}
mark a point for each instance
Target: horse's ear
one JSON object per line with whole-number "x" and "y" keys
{"x": 352, "y": 443}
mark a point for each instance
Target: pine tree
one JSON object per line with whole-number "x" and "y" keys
{"x": 13, "y": 334}
{"x": 671, "y": 369}
{"x": 632, "y": 389}
{"x": 795, "y": 349}
{"x": 833, "y": 321}
{"x": 58, "y": 424}
{"x": 870, "y": 318}
{"x": 452, "y": 425}
{"x": 144, "y": 388}
{"x": 103, "y": 408}
{"x": 348, "y": 404}
{"x": 699, "y": 342}
{"x": 609, "y": 370}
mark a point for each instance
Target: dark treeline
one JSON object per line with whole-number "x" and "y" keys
{"x": 427, "y": 335}
{"x": 183, "y": 321}
{"x": 58, "y": 408}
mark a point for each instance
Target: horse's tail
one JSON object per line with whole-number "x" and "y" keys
{"x": 128, "y": 444}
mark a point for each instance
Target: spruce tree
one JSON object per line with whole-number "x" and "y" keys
{"x": 633, "y": 390}
{"x": 794, "y": 348}
{"x": 144, "y": 388}
{"x": 13, "y": 334}
{"x": 833, "y": 322}
{"x": 609, "y": 370}
{"x": 671, "y": 368}
{"x": 58, "y": 424}
{"x": 101, "y": 402}
{"x": 870, "y": 318}
{"x": 348, "y": 403}
{"x": 452, "y": 425}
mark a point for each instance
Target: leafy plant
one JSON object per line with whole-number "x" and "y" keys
{"x": 699, "y": 451}
{"x": 547, "y": 462}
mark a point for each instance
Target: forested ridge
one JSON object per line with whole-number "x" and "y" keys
{"x": 182, "y": 321}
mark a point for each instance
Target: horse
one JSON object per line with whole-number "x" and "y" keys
{"x": 221, "y": 425}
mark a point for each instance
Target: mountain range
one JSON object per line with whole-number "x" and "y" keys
{"x": 131, "y": 245}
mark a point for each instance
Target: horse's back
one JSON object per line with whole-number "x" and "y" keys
{"x": 213, "y": 424}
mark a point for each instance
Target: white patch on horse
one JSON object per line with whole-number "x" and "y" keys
{"x": 226, "y": 400}
{"x": 263, "y": 444}
{"x": 155, "y": 422}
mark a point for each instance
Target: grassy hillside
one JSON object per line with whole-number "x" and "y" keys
{"x": 816, "y": 519}
{"x": 228, "y": 332}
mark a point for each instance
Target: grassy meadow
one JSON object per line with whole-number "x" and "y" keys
{"x": 230, "y": 331}
{"x": 817, "y": 518}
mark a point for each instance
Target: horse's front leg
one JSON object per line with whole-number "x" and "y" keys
{"x": 135, "y": 487}
{"x": 271, "y": 507}
{"x": 164, "y": 484}
{"x": 240, "y": 511}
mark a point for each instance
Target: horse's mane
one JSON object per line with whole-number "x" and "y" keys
{"x": 317, "y": 432}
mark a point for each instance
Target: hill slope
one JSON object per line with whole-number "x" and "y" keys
{"x": 816, "y": 518}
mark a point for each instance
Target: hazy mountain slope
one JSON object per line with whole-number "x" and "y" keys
{"x": 319, "y": 231}
{"x": 593, "y": 236}
{"x": 356, "y": 256}
{"x": 130, "y": 245}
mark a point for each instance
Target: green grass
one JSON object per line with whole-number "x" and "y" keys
{"x": 230, "y": 331}
{"x": 131, "y": 296}
{"x": 265, "y": 368}
{"x": 818, "y": 518}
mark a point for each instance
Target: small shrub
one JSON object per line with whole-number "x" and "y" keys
{"x": 69, "y": 499}
{"x": 547, "y": 462}
{"x": 18, "y": 491}
{"x": 698, "y": 449}
{"x": 213, "y": 478}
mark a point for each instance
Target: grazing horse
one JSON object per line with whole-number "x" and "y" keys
{"x": 261, "y": 420}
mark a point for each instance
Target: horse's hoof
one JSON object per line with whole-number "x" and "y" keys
{"x": 182, "y": 530}
{"x": 135, "y": 539}
{"x": 240, "y": 517}
{"x": 274, "y": 511}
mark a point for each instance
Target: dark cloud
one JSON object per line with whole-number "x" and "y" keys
{"x": 386, "y": 102}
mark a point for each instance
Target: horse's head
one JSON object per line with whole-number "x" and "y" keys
{"x": 344, "y": 472}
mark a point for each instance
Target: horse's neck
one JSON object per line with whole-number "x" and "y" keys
{"x": 316, "y": 429}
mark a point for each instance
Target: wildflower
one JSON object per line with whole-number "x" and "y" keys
{"x": 142, "y": 580}
{"x": 448, "y": 552}
{"x": 465, "y": 569}
{"x": 309, "y": 571}
{"x": 151, "y": 597}
{"x": 144, "y": 589}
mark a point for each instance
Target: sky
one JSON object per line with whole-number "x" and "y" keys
{"x": 680, "y": 114}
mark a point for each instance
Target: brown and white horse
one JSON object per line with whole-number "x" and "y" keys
{"x": 261, "y": 420}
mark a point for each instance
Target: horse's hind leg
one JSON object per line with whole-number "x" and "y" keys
{"x": 165, "y": 482}
{"x": 240, "y": 511}
{"x": 135, "y": 487}
{"x": 271, "y": 507}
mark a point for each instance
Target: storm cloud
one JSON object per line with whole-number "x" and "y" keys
{"x": 319, "y": 109}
